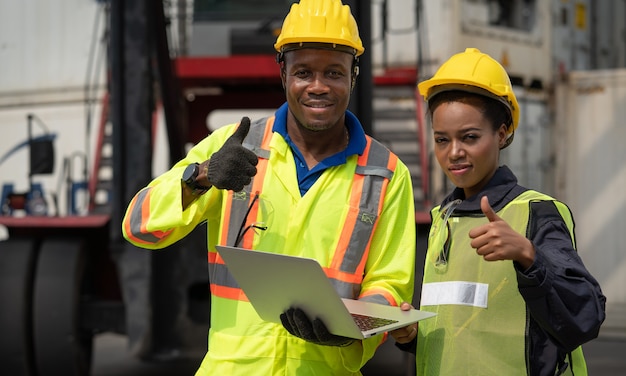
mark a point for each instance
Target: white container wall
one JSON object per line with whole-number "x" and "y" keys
{"x": 591, "y": 173}
{"x": 45, "y": 46}
{"x": 530, "y": 155}
{"x": 521, "y": 44}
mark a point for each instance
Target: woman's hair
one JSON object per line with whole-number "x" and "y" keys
{"x": 492, "y": 109}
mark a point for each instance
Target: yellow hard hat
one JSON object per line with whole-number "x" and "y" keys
{"x": 474, "y": 71}
{"x": 320, "y": 21}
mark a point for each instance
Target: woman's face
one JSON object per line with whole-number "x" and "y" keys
{"x": 466, "y": 145}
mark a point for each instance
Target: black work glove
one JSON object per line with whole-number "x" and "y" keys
{"x": 298, "y": 324}
{"x": 233, "y": 166}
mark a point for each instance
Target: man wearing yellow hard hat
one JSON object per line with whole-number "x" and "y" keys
{"x": 306, "y": 181}
{"x": 502, "y": 272}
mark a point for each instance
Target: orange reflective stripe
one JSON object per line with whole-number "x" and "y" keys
{"x": 379, "y": 296}
{"x": 135, "y": 222}
{"x": 257, "y": 184}
{"x": 221, "y": 282}
{"x": 375, "y": 167}
{"x": 348, "y": 227}
{"x": 246, "y": 242}
{"x": 226, "y": 217}
{"x": 259, "y": 137}
{"x": 236, "y": 206}
{"x": 261, "y": 149}
{"x": 391, "y": 165}
{"x": 393, "y": 162}
{"x": 215, "y": 258}
{"x": 346, "y": 277}
{"x": 355, "y": 199}
{"x": 228, "y": 292}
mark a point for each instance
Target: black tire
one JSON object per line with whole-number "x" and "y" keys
{"x": 17, "y": 265}
{"x": 62, "y": 347}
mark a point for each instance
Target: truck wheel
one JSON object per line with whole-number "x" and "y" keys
{"x": 62, "y": 347}
{"x": 17, "y": 265}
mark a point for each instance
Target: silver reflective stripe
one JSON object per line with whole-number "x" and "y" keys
{"x": 375, "y": 173}
{"x": 455, "y": 292}
{"x": 136, "y": 219}
{"x": 219, "y": 275}
{"x": 255, "y": 137}
{"x": 373, "y": 170}
{"x": 346, "y": 289}
{"x": 239, "y": 205}
{"x": 238, "y": 209}
{"x": 375, "y": 298}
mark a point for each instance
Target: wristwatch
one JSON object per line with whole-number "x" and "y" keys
{"x": 189, "y": 178}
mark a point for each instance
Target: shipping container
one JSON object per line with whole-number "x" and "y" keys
{"x": 591, "y": 170}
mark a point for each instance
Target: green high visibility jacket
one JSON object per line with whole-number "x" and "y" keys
{"x": 492, "y": 317}
{"x": 366, "y": 250}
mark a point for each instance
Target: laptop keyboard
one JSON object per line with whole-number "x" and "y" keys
{"x": 370, "y": 322}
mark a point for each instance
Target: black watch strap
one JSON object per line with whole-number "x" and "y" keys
{"x": 189, "y": 178}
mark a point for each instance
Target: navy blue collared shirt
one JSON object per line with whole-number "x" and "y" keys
{"x": 306, "y": 177}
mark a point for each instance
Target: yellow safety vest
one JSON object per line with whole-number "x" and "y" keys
{"x": 481, "y": 320}
{"x": 365, "y": 255}
{"x": 375, "y": 167}
{"x": 237, "y": 333}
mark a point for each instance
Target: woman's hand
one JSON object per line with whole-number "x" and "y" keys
{"x": 407, "y": 333}
{"x": 496, "y": 240}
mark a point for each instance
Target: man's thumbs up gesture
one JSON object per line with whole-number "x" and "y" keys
{"x": 233, "y": 166}
{"x": 496, "y": 240}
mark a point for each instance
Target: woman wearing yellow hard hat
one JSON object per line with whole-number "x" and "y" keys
{"x": 502, "y": 272}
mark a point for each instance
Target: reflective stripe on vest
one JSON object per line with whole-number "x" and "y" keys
{"x": 237, "y": 203}
{"x": 374, "y": 170}
{"x": 475, "y": 300}
{"x": 236, "y": 212}
{"x": 135, "y": 225}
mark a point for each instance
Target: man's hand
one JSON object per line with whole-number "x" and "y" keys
{"x": 298, "y": 324}
{"x": 233, "y": 166}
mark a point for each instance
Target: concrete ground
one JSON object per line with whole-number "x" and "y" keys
{"x": 605, "y": 357}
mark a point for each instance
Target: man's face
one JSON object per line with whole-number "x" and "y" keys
{"x": 317, "y": 85}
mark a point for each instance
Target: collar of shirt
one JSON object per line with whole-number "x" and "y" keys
{"x": 501, "y": 189}
{"x": 306, "y": 177}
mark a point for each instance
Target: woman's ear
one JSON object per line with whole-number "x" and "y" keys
{"x": 502, "y": 136}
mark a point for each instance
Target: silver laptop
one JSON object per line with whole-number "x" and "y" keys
{"x": 274, "y": 282}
